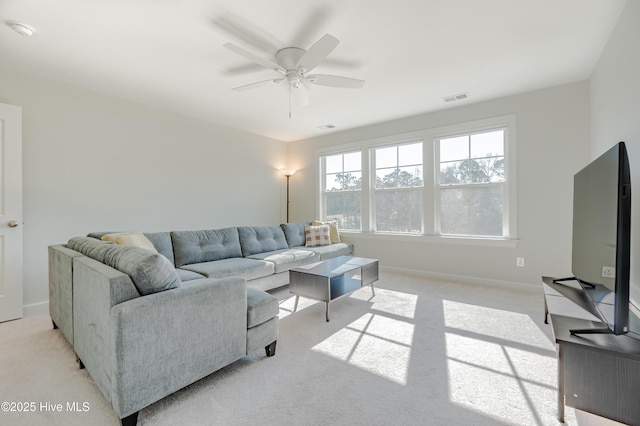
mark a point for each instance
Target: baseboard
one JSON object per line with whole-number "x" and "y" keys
{"x": 40, "y": 308}
{"x": 465, "y": 279}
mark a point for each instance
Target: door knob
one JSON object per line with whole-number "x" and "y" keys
{"x": 13, "y": 223}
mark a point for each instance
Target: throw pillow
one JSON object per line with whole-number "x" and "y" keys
{"x": 149, "y": 272}
{"x": 317, "y": 235}
{"x": 134, "y": 239}
{"x": 334, "y": 233}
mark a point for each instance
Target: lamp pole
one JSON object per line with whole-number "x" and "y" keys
{"x": 288, "y": 174}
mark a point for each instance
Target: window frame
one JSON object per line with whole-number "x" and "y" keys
{"x": 375, "y": 190}
{"x": 323, "y": 184}
{"x": 430, "y": 233}
{"x": 438, "y": 186}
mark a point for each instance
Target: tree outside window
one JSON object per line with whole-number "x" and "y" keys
{"x": 472, "y": 183}
{"x": 342, "y": 189}
{"x": 398, "y": 188}
{"x": 426, "y": 185}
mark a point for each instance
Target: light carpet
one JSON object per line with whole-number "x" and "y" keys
{"x": 421, "y": 352}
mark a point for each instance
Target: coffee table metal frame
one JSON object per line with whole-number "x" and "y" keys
{"x": 331, "y": 279}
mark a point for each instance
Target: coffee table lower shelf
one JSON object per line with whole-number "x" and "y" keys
{"x": 331, "y": 279}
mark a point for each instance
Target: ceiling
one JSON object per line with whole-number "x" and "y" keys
{"x": 412, "y": 53}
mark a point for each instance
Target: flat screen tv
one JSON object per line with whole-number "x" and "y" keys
{"x": 601, "y": 245}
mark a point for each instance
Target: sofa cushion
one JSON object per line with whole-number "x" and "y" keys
{"x": 205, "y": 246}
{"x": 261, "y": 307}
{"x": 317, "y": 235}
{"x": 261, "y": 239}
{"x": 248, "y": 269}
{"x": 134, "y": 239}
{"x": 286, "y": 259}
{"x": 188, "y": 275}
{"x": 99, "y": 235}
{"x": 331, "y": 251}
{"x": 294, "y": 233}
{"x": 150, "y": 272}
{"x": 162, "y": 242}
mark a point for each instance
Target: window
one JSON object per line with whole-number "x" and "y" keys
{"x": 453, "y": 184}
{"x": 398, "y": 188}
{"x": 341, "y": 192}
{"x": 471, "y": 184}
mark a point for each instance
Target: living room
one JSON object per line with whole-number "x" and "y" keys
{"x": 95, "y": 162}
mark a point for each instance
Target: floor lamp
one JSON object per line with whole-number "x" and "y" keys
{"x": 288, "y": 174}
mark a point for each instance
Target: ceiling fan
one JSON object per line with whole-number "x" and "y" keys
{"x": 295, "y": 64}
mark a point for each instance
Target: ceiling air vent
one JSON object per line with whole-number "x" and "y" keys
{"x": 458, "y": 97}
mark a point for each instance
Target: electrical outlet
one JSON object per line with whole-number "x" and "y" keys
{"x": 520, "y": 262}
{"x": 608, "y": 272}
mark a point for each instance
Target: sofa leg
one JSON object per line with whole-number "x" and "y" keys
{"x": 131, "y": 420}
{"x": 270, "y": 349}
{"x": 55, "y": 326}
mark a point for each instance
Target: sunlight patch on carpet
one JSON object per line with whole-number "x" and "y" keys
{"x": 390, "y": 302}
{"x": 374, "y": 343}
{"x": 497, "y": 323}
{"x": 490, "y": 354}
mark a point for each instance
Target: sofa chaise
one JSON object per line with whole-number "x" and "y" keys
{"x": 146, "y": 322}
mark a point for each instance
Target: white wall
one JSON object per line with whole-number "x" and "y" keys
{"x": 615, "y": 109}
{"x": 552, "y": 144}
{"x": 93, "y": 162}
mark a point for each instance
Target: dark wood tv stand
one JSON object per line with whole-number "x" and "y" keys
{"x": 597, "y": 373}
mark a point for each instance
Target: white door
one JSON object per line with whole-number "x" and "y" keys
{"x": 10, "y": 212}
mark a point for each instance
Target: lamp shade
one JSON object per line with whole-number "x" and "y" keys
{"x": 288, "y": 172}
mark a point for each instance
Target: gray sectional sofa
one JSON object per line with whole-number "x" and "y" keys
{"x": 147, "y": 324}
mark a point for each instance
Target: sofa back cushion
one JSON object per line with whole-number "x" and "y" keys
{"x": 162, "y": 242}
{"x": 150, "y": 272}
{"x": 261, "y": 239}
{"x": 294, "y": 232}
{"x": 205, "y": 246}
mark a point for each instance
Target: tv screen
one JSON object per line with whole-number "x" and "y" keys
{"x": 602, "y": 235}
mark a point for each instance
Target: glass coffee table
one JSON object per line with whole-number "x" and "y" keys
{"x": 331, "y": 279}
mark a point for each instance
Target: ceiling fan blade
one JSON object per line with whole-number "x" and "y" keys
{"x": 344, "y": 62}
{"x": 317, "y": 19}
{"x": 317, "y": 52}
{"x": 255, "y": 58}
{"x": 247, "y": 32}
{"x": 258, "y": 84}
{"x": 300, "y": 93}
{"x": 335, "y": 81}
{"x": 247, "y": 68}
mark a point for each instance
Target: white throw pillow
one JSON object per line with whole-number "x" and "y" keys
{"x": 334, "y": 233}
{"x": 134, "y": 238}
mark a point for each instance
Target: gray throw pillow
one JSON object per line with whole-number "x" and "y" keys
{"x": 150, "y": 272}
{"x": 294, "y": 232}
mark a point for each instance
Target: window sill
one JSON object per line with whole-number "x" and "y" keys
{"x": 432, "y": 239}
